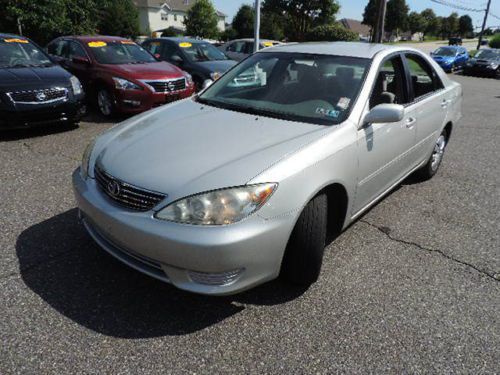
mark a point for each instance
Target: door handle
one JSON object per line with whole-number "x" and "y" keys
{"x": 410, "y": 122}
{"x": 445, "y": 103}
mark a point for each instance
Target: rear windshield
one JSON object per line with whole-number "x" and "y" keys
{"x": 443, "y": 51}
{"x": 197, "y": 52}
{"x": 18, "y": 52}
{"x": 120, "y": 52}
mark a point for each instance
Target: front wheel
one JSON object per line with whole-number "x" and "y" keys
{"x": 434, "y": 162}
{"x": 304, "y": 254}
{"x": 105, "y": 102}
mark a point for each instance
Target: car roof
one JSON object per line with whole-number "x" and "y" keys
{"x": 90, "y": 38}
{"x": 350, "y": 49}
{"x": 252, "y": 39}
{"x": 180, "y": 39}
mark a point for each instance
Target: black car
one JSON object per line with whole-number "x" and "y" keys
{"x": 33, "y": 89}
{"x": 197, "y": 57}
{"x": 455, "y": 41}
{"x": 485, "y": 63}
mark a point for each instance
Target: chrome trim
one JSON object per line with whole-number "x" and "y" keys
{"x": 145, "y": 82}
{"x": 60, "y": 89}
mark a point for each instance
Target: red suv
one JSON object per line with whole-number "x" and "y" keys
{"x": 119, "y": 74}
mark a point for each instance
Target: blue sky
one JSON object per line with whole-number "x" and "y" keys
{"x": 354, "y": 8}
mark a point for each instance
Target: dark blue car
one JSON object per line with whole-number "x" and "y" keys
{"x": 451, "y": 58}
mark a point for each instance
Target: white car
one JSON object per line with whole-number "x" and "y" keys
{"x": 240, "y": 49}
{"x": 244, "y": 182}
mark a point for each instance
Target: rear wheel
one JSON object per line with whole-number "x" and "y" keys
{"x": 434, "y": 162}
{"x": 304, "y": 254}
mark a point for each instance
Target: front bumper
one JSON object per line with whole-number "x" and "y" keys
{"x": 137, "y": 101}
{"x": 20, "y": 117}
{"x": 214, "y": 260}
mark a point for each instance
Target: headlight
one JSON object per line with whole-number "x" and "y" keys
{"x": 76, "y": 85}
{"x": 493, "y": 66}
{"x": 123, "y": 84}
{"x": 189, "y": 78}
{"x": 86, "y": 159}
{"x": 218, "y": 207}
{"x": 215, "y": 76}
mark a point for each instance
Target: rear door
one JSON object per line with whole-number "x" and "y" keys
{"x": 429, "y": 102}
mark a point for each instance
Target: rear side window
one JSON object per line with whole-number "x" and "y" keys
{"x": 153, "y": 47}
{"x": 58, "y": 48}
{"x": 76, "y": 50}
{"x": 238, "y": 47}
{"x": 169, "y": 51}
{"x": 424, "y": 78}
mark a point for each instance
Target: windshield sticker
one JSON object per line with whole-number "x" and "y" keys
{"x": 327, "y": 112}
{"x": 127, "y": 42}
{"x": 97, "y": 44}
{"x": 16, "y": 40}
{"x": 268, "y": 44}
{"x": 344, "y": 103}
{"x": 185, "y": 45}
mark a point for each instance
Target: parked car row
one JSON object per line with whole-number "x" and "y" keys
{"x": 485, "y": 63}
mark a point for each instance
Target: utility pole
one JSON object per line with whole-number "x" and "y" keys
{"x": 378, "y": 35}
{"x": 19, "y": 26}
{"x": 484, "y": 25}
{"x": 256, "y": 42}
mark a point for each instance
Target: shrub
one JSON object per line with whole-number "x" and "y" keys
{"x": 495, "y": 41}
{"x": 331, "y": 33}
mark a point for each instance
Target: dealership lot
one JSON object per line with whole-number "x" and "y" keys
{"x": 412, "y": 286}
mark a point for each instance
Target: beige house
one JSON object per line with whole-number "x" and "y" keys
{"x": 158, "y": 15}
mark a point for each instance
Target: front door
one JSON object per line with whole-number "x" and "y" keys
{"x": 385, "y": 150}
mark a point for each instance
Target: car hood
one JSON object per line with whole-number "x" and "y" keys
{"x": 155, "y": 70}
{"x": 187, "y": 147}
{"x": 19, "y": 78}
{"x": 444, "y": 58}
{"x": 220, "y": 66}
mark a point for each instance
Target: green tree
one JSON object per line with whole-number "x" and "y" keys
{"x": 397, "y": 16}
{"x": 119, "y": 17}
{"x": 272, "y": 26}
{"x": 201, "y": 20}
{"x": 370, "y": 14}
{"x": 432, "y": 25}
{"x": 465, "y": 26}
{"x": 243, "y": 21}
{"x": 301, "y": 15}
{"x": 331, "y": 33}
{"x": 416, "y": 23}
{"x": 449, "y": 25}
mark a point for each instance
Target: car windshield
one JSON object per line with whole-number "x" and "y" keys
{"x": 443, "y": 51}
{"x": 488, "y": 54}
{"x": 197, "y": 52}
{"x": 317, "y": 89}
{"x": 120, "y": 52}
{"x": 19, "y": 53}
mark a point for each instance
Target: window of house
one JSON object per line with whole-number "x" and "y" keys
{"x": 164, "y": 17}
{"x": 175, "y": 17}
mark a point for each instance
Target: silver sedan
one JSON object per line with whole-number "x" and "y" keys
{"x": 246, "y": 181}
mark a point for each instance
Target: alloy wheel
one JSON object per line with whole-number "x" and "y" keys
{"x": 437, "y": 154}
{"x": 104, "y": 102}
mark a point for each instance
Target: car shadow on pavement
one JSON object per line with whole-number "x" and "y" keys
{"x": 61, "y": 263}
{"x": 17, "y": 134}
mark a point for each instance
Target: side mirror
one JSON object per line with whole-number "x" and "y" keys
{"x": 384, "y": 113}
{"x": 177, "y": 60}
{"x": 80, "y": 60}
{"x": 157, "y": 56}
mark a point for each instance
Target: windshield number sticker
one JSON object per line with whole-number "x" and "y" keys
{"x": 327, "y": 112}
{"x": 97, "y": 44}
{"x": 16, "y": 40}
{"x": 268, "y": 44}
{"x": 344, "y": 103}
{"x": 185, "y": 45}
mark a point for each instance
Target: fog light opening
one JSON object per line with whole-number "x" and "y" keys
{"x": 216, "y": 279}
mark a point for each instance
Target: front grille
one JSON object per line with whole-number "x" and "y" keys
{"x": 126, "y": 195}
{"x": 168, "y": 86}
{"x": 42, "y": 96}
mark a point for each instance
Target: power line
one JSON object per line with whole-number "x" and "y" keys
{"x": 456, "y": 6}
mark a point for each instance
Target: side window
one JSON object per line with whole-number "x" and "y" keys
{"x": 238, "y": 47}
{"x": 58, "y": 48}
{"x": 170, "y": 51}
{"x": 424, "y": 78}
{"x": 153, "y": 47}
{"x": 76, "y": 50}
{"x": 390, "y": 84}
{"x": 249, "y": 47}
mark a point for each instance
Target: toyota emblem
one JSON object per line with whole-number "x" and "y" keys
{"x": 40, "y": 96}
{"x": 113, "y": 188}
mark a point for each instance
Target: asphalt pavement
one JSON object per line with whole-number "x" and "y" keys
{"x": 411, "y": 287}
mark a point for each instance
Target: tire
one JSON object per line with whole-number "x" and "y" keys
{"x": 432, "y": 166}
{"x": 304, "y": 254}
{"x": 104, "y": 101}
